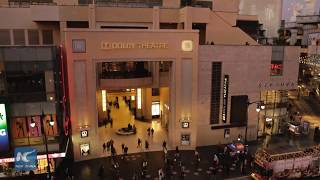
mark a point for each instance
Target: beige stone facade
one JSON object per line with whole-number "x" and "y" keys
{"x": 147, "y": 38}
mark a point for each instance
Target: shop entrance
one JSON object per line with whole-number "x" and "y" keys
{"x": 132, "y": 98}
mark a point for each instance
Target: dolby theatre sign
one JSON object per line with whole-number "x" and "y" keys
{"x": 130, "y": 45}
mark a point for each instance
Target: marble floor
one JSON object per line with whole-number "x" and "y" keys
{"x": 121, "y": 118}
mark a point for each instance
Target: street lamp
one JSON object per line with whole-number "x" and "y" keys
{"x": 260, "y": 105}
{"x": 33, "y": 123}
{"x": 51, "y": 123}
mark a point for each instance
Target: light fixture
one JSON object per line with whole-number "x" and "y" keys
{"x": 139, "y": 98}
{"x": 258, "y": 108}
{"x": 33, "y": 123}
{"x": 262, "y": 106}
{"x": 104, "y": 100}
{"x": 51, "y": 122}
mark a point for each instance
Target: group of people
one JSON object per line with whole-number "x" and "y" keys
{"x": 109, "y": 146}
{"x": 146, "y": 144}
{"x": 150, "y": 131}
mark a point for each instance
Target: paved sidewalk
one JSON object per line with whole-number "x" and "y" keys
{"x": 132, "y": 163}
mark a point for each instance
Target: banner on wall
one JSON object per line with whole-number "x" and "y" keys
{"x": 4, "y": 139}
{"x": 225, "y": 98}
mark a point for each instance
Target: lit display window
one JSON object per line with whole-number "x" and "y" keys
{"x": 155, "y": 108}
{"x": 276, "y": 68}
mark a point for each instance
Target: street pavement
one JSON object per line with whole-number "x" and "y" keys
{"x": 132, "y": 163}
{"x": 308, "y": 107}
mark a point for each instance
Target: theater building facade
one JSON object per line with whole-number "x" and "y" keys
{"x": 209, "y": 85}
{"x": 190, "y": 66}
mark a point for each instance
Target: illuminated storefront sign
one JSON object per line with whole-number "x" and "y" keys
{"x": 139, "y": 93}
{"x": 4, "y": 140}
{"x": 51, "y": 156}
{"x": 126, "y": 45}
{"x": 225, "y": 98}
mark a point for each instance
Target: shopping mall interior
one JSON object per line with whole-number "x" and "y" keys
{"x": 126, "y": 109}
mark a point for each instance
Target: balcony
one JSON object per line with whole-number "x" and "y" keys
{"x": 129, "y": 3}
{"x": 118, "y": 79}
{"x": 308, "y": 19}
{"x": 198, "y": 3}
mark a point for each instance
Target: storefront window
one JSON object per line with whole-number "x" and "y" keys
{"x": 273, "y": 118}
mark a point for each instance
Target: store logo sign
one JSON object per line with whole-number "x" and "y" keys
{"x": 4, "y": 139}
{"x": 25, "y": 159}
{"x": 225, "y": 98}
{"x": 3, "y": 132}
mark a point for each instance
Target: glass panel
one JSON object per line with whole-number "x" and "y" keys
{"x": 18, "y": 36}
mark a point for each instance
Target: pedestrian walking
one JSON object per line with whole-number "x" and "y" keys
{"x": 152, "y": 131}
{"x": 147, "y": 145}
{"x": 215, "y": 160}
{"x": 126, "y": 150}
{"x": 139, "y": 143}
{"x": 108, "y": 146}
{"x": 197, "y": 156}
{"x": 160, "y": 173}
{"x": 148, "y": 130}
{"x": 104, "y": 147}
{"x": 113, "y": 151}
{"x": 164, "y": 145}
{"x": 176, "y": 155}
{"x": 122, "y": 147}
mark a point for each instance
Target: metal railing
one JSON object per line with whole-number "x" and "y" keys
{"x": 124, "y": 75}
{"x": 127, "y": 3}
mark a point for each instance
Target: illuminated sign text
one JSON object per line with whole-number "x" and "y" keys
{"x": 126, "y": 45}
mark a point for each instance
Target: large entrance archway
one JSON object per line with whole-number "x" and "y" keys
{"x": 91, "y": 52}
{"x": 133, "y": 102}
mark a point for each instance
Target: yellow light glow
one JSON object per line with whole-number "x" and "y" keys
{"x": 104, "y": 100}
{"x": 187, "y": 45}
{"x": 133, "y": 98}
{"x": 139, "y": 93}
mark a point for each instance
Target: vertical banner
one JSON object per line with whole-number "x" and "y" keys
{"x": 225, "y": 98}
{"x": 4, "y": 139}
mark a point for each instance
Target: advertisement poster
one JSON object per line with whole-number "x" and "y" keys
{"x": 36, "y": 130}
{"x": 4, "y": 139}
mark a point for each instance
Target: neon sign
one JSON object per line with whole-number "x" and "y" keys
{"x": 4, "y": 140}
{"x": 276, "y": 66}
